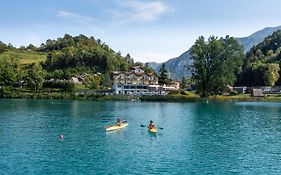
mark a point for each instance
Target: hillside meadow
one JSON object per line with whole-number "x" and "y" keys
{"x": 25, "y": 56}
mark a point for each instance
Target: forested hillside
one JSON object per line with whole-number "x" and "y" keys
{"x": 262, "y": 63}
{"x": 81, "y": 51}
{"x": 55, "y": 62}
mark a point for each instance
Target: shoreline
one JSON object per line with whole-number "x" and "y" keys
{"x": 152, "y": 98}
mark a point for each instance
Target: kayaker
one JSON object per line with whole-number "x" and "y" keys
{"x": 118, "y": 122}
{"x": 151, "y": 125}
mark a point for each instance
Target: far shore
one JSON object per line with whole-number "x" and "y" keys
{"x": 186, "y": 97}
{"x": 218, "y": 98}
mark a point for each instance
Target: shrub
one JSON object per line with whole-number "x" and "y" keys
{"x": 174, "y": 92}
{"x": 182, "y": 92}
{"x": 65, "y": 86}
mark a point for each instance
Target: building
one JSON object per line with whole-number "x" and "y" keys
{"x": 257, "y": 92}
{"x": 266, "y": 89}
{"x": 240, "y": 89}
{"x": 135, "y": 82}
{"x": 175, "y": 84}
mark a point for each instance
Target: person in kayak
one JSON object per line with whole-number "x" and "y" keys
{"x": 119, "y": 122}
{"x": 151, "y": 125}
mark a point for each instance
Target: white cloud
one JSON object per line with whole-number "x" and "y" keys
{"x": 75, "y": 16}
{"x": 139, "y": 11}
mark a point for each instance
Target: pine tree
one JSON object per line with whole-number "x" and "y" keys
{"x": 164, "y": 77}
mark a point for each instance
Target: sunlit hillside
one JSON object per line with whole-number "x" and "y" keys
{"x": 25, "y": 57}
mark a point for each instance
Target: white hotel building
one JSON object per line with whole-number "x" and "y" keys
{"x": 137, "y": 82}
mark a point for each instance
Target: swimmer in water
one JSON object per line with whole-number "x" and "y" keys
{"x": 61, "y": 137}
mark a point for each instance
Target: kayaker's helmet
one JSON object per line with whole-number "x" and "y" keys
{"x": 118, "y": 120}
{"x": 151, "y": 121}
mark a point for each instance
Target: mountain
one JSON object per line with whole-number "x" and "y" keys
{"x": 178, "y": 67}
{"x": 154, "y": 65}
{"x": 256, "y": 38}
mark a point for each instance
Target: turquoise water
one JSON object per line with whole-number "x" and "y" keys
{"x": 197, "y": 138}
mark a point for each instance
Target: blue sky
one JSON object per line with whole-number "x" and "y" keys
{"x": 150, "y": 30}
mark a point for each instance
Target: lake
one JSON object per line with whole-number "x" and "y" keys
{"x": 197, "y": 138}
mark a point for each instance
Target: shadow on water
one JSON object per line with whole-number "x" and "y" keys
{"x": 152, "y": 135}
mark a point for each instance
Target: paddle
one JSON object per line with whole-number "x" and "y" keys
{"x": 156, "y": 127}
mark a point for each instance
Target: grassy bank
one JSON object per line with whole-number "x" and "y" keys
{"x": 221, "y": 98}
{"x": 24, "y": 57}
{"x": 174, "y": 97}
{"x": 246, "y": 98}
{"x": 240, "y": 97}
{"x": 55, "y": 94}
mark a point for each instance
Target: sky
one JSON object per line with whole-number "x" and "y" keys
{"x": 149, "y": 30}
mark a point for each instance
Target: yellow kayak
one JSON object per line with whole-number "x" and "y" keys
{"x": 152, "y": 130}
{"x": 116, "y": 127}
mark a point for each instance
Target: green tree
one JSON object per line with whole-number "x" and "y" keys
{"x": 58, "y": 74}
{"x": 138, "y": 64}
{"x": 216, "y": 63}
{"x": 184, "y": 83}
{"x": 148, "y": 69}
{"x": 164, "y": 77}
{"x": 3, "y": 47}
{"x": 35, "y": 76}
{"x": 128, "y": 58}
{"x": 271, "y": 74}
{"x": 31, "y": 47}
{"x": 107, "y": 80}
{"x": 68, "y": 87}
{"x": 9, "y": 69}
{"x": 93, "y": 81}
